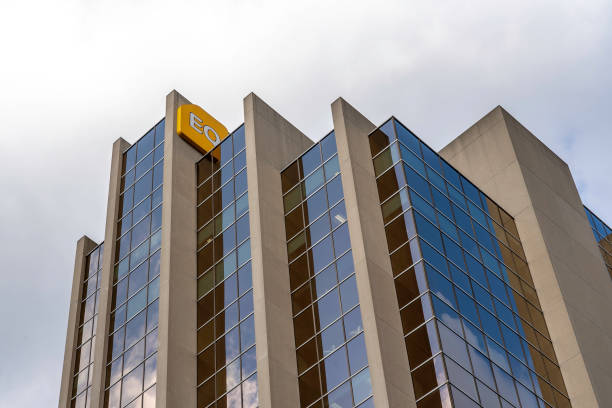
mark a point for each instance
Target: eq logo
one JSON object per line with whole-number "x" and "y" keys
{"x": 198, "y": 128}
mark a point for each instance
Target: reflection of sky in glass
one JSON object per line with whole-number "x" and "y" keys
{"x": 480, "y": 283}
{"x": 603, "y": 236}
{"x": 148, "y": 398}
{"x": 232, "y": 374}
{"x": 232, "y": 344}
{"x": 234, "y": 398}
{"x": 249, "y": 390}
{"x": 362, "y": 387}
{"x": 135, "y": 282}
{"x": 132, "y": 385}
{"x": 224, "y": 288}
{"x": 85, "y": 341}
{"x": 327, "y": 319}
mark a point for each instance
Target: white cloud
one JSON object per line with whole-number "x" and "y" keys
{"x": 78, "y": 74}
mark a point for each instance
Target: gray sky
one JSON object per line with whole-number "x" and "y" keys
{"x": 76, "y": 75}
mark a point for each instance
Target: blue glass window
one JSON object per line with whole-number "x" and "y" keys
{"x": 408, "y": 138}
{"x": 224, "y": 288}
{"x": 310, "y": 160}
{"x": 324, "y": 291}
{"x": 328, "y": 146}
{"x": 134, "y": 306}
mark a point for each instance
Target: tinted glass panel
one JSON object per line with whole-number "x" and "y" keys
{"x": 332, "y": 368}
{"x": 486, "y": 313}
{"x": 226, "y": 334}
{"x": 132, "y": 362}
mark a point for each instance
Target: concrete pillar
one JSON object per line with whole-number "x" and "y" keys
{"x": 106, "y": 276}
{"x": 271, "y": 144}
{"x": 389, "y": 368}
{"x": 176, "y": 364}
{"x": 83, "y": 247}
{"x": 536, "y": 187}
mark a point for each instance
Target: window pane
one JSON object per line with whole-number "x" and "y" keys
{"x": 307, "y": 355}
{"x": 348, "y": 294}
{"x": 334, "y": 369}
{"x": 309, "y": 386}
{"x": 427, "y": 377}
{"x": 422, "y": 344}
{"x": 310, "y": 160}
{"x": 328, "y": 146}
{"x": 327, "y": 309}
{"x": 132, "y": 385}
{"x": 331, "y": 338}
{"x": 290, "y": 177}
{"x": 357, "y": 354}
{"x": 362, "y": 386}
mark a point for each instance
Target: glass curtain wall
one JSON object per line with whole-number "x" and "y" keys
{"x": 226, "y": 361}
{"x": 474, "y": 330}
{"x": 603, "y": 236}
{"x": 86, "y": 337}
{"x": 131, "y": 371}
{"x": 331, "y": 356}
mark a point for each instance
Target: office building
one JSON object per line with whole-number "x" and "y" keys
{"x": 256, "y": 268}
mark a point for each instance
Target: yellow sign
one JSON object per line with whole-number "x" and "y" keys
{"x": 198, "y": 128}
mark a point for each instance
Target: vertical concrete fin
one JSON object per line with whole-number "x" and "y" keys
{"x": 535, "y": 186}
{"x": 106, "y": 278}
{"x": 83, "y": 247}
{"x": 389, "y": 368}
{"x": 176, "y": 364}
{"x": 276, "y": 359}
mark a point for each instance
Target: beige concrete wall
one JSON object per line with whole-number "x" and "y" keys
{"x": 176, "y": 363}
{"x": 271, "y": 144}
{"x": 106, "y": 275}
{"x": 536, "y": 187}
{"x": 386, "y": 350}
{"x": 83, "y": 247}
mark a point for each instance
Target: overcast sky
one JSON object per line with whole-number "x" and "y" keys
{"x": 76, "y": 75}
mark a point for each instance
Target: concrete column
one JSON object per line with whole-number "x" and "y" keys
{"x": 536, "y": 187}
{"x": 106, "y": 282}
{"x": 176, "y": 364}
{"x": 83, "y": 247}
{"x": 271, "y": 144}
{"x": 389, "y": 368}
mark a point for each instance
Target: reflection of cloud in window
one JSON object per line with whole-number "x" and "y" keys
{"x": 445, "y": 397}
{"x": 497, "y": 355}
{"x": 232, "y": 344}
{"x": 133, "y": 356}
{"x": 132, "y": 385}
{"x": 232, "y": 373}
{"x": 444, "y": 298}
{"x": 150, "y": 371}
{"x": 148, "y": 399}
{"x": 330, "y": 348}
{"x": 451, "y": 321}
{"x": 471, "y": 337}
{"x": 249, "y": 391}
{"x": 233, "y": 398}
{"x": 356, "y": 330}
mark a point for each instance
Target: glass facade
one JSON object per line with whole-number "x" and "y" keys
{"x": 603, "y": 236}
{"x": 474, "y": 330}
{"x": 86, "y": 336}
{"x": 131, "y": 370}
{"x": 330, "y": 349}
{"x": 226, "y": 361}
